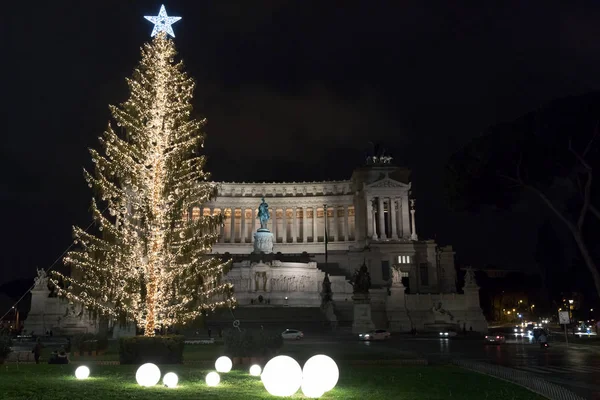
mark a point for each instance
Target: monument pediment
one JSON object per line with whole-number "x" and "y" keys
{"x": 387, "y": 183}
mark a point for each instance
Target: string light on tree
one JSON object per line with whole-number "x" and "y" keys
{"x": 162, "y": 22}
{"x": 148, "y": 262}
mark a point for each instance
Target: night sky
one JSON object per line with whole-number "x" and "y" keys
{"x": 292, "y": 90}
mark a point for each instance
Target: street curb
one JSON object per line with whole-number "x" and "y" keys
{"x": 528, "y": 381}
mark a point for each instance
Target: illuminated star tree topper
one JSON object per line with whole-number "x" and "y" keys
{"x": 162, "y": 22}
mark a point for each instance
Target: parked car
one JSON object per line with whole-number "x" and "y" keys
{"x": 379, "y": 334}
{"x": 495, "y": 339}
{"x": 446, "y": 334}
{"x": 292, "y": 334}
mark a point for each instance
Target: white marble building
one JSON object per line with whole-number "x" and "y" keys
{"x": 370, "y": 218}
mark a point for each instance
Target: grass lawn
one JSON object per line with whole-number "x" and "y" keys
{"x": 57, "y": 382}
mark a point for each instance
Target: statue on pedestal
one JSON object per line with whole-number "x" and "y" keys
{"x": 41, "y": 280}
{"x": 263, "y": 239}
{"x": 263, "y": 214}
{"x": 470, "y": 278}
{"x": 396, "y": 277}
{"x": 361, "y": 280}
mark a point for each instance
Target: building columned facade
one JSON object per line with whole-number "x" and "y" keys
{"x": 370, "y": 218}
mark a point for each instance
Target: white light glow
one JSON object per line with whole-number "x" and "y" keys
{"x": 282, "y": 376}
{"x": 147, "y": 375}
{"x": 319, "y": 372}
{"x": 212, "y": 379}
{"x": 223, "y": 364}
{"x": 82, "y": 372}
{"x": 162, "y": 22}
{"x": 170, "y": 379}
{"x": 312, "y": 389}
{"x": 255, "y": 370}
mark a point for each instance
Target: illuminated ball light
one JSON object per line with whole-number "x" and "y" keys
{"x": 255, "y": 370}
{"x": 282, "y": 376}
{"x": 212, "y": 379}
{"x": 82, "y": 372}
{"x": 223, "y": 364}
{"x": 170, "y": 379}
{"x": 147, "y": 375}
{"x": 319, "y": 375}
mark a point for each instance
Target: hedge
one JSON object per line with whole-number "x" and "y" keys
{"x": 251, "y": 343}
{"x": 156, "y": 349}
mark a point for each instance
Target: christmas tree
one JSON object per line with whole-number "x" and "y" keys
{"x": 149, "y": 262}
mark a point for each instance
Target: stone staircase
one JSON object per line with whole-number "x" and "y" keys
{"x": 333, "y": 269}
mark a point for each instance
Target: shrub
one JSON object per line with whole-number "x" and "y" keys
{"x": 251, "y": 343}
{"x": 5, "y": 346}
{"x": 157, "y": 349}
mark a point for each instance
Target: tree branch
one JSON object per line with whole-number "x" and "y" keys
{"x": 595, "y": 211}
{"x": 588, "y": 183}
{"x": 544, "y": 198}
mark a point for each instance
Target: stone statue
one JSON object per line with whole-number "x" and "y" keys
{"x": 263, "y": 214}
{"x": 361, "y": 281}
{"x": 437, "y": 309}
{"x": 470, "y": 278}
{"x": 396, "y": 276}
{"x": 41, "y": 280}
{"x": 326, "y": 293}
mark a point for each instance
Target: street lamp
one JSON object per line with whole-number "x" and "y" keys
{"x": 325, "y": 231}
{"x": 570, "y": 301}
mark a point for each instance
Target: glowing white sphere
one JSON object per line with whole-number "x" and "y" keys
{"x": 82, "y": 372}
{"x": 255, "y": 370}
{"x": 320, "y": 370}
{"x": 282, "y": 376}
{"x": 147, "y": 375}
{"x": 223, "y": 364}
{"x": 212, "y": 379}
{"x": 312, "y": 388}
{"x": 170, "y": 379}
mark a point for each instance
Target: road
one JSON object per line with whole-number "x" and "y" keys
{"x": 576, "y": 368}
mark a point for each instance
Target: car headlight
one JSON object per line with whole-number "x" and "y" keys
{"x": 441, "y": 333}
{"x": 445, "y": 333}
{"x": 515, "y": 329}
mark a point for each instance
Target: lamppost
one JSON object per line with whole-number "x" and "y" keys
{"x": 325, "y": 226}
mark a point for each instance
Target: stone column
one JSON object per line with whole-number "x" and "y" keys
{"x": 295, "y": 224}
{"x": 284, "y": 226}
{"x": 380, "y": 217}
{"x": 243, "y": 226}
{"x": 336, "y": 224}
{"x": 405, "y": 217}
{"x": 304, "y": 224}
{"x": 399, "y": 218}
{"x": 274, "y": 218}
{"x": 232, "y": 229}
{"x": 253, "y": 216}
{"x": 222, "y": 238}
{"x": 315, "y": 233}
{"x": 370, "y": 223}
{"x": 392, "y": 213}
{"x": 346, "y": 217}
{"x": 413, "y": 235}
